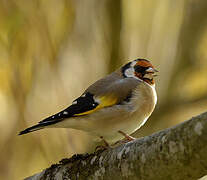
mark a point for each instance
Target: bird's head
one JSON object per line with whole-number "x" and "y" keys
{"x": 139, "y": 69}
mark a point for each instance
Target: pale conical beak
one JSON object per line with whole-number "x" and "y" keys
{"x": 151, "y": 70}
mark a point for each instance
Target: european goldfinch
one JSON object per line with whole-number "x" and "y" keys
{"x": 113, "y": 106}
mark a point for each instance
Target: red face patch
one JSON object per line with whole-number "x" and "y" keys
{"x": 144, "y": 63}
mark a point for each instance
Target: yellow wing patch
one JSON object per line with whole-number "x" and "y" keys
{"x": 104, "y": 101}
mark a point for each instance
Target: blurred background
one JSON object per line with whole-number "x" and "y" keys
{"x": 51, "y": 50}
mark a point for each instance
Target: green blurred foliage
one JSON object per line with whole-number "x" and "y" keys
{"x": 51, "y": 50}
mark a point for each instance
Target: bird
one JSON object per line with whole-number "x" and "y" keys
{"x": 114, "y": 106}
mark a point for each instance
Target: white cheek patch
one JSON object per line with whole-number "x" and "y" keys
{"x": 129, "y": 72}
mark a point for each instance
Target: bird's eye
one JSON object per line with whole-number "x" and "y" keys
{"x": 140, "y": 69}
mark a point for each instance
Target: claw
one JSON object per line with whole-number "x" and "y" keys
{"x": 100, "y": 148}
{"x": 103, "y": 147}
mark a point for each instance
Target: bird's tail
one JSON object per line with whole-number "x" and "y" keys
{"x": 47, "y": 122}
{"x": 40, "y": 125}
{"x": 31, "y": 129}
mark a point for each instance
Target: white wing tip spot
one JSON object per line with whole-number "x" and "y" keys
{"x": 74, "y": 102}
{"x": 65, "y": 112}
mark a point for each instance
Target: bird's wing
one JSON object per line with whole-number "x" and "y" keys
{"x": 103, "y": 93}
{"x": 85, "y": 104}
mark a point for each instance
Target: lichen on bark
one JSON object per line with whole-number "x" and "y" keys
{"x": 177, "y": 153}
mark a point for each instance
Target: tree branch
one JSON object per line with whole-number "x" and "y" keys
{"x": 177, "y": 153}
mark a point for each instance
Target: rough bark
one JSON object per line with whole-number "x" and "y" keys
{"x": 177, "y": 153}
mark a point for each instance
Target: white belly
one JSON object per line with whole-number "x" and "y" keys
{"x": 142, "y": 107}
{"x": 125, "y": 124}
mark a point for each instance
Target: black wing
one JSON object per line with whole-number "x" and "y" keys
{"x": 82, "y": 104}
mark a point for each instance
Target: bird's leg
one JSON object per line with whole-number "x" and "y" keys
{"x": 104, "y": 141}
{"x": 103, "y": 147}
{"x": 127, "y": 137}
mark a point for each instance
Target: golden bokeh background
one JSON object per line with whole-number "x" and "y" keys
{"x": 51, "y": 50}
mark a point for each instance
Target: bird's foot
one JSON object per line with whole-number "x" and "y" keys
{"x": 127, "y": 137}
{"x": 103, "y": 147}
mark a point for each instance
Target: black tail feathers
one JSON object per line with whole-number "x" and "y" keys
{"x": 40, "y": 125}
{"x": 31, "y": 129}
